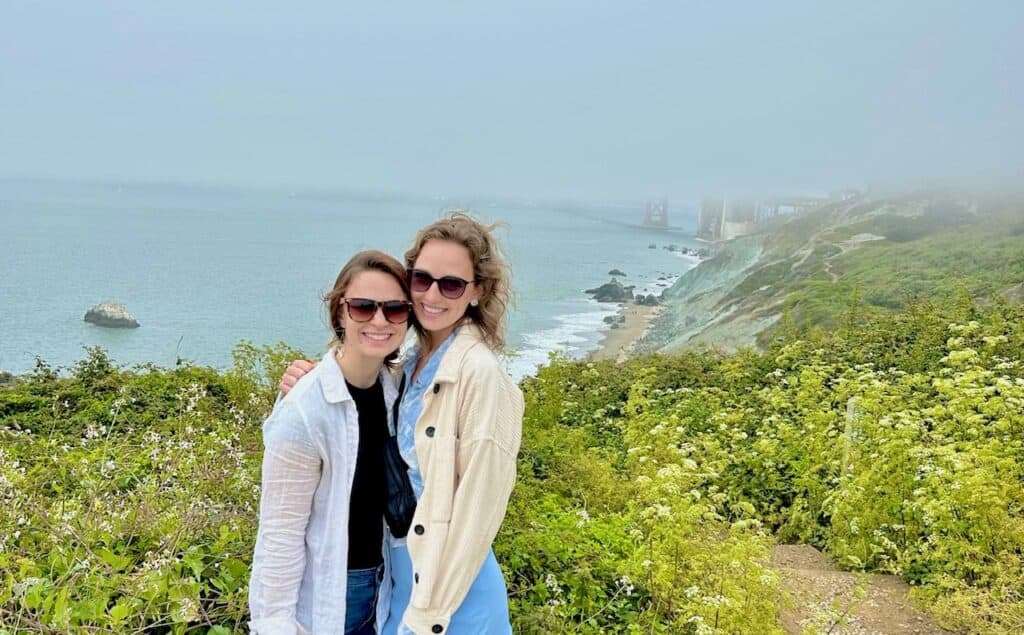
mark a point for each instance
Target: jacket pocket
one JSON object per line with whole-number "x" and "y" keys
{"x": 444, "y": 490}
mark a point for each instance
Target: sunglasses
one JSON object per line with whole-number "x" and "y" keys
{"x": 363, "y": 310}
{"x": 451, "y": 287}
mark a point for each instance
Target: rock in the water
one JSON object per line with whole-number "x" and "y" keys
{"x": 617, "y": 272}
{"x": 612, "y": 291}
{"x": 652, "y": 246}
{"x": 648, "y": 300}
{"x": 111, "y": 314}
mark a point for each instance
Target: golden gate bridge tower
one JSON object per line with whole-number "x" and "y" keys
{"x": 656, "y": 214}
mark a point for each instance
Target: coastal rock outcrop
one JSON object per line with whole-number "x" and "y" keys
{"x": 612, "y": 291}
{"x": 111, "y": 314}
{"x": 617, "y": 272}
{"x": 687, "y": 251}
{"x": 647, "y": 300}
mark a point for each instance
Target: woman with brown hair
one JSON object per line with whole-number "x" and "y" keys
{"x": 459, "y": 429}
{"x": 318, "y": 557}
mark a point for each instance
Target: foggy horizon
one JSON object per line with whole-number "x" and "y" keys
{"x": 533, "y": 102}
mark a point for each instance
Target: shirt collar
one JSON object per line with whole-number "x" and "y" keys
{"x": 335, "y": 390}
{"x": 467, "y": 337}
{"x": 331, "y": 380}
{"x": 413, "y": 354}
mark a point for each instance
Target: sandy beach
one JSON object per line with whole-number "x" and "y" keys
{"x": 618, "y": 343}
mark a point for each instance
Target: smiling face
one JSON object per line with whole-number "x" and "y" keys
{"x": 437, "y": 314}
{"x": 376, "y": 338}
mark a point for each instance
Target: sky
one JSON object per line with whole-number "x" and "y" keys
{"x": 591, "y": 101}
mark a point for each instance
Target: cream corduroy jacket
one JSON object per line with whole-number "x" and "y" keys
{"x": 467, "y": 439}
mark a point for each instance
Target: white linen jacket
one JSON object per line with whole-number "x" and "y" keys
{"x": 300, "y": 566}
{"x": 467, "y": 439}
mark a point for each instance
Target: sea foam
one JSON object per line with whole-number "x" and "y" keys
{"x": 577, "y": 334}
{"x": 574, "y": 335}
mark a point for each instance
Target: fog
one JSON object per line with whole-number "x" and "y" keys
{"x": 568, "y": 100}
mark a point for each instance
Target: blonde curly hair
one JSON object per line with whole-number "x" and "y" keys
{"x": 490, "y": 270}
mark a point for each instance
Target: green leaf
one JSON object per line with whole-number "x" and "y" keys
{"x": 60, "y": 616}
{"x": 116, "y": 562}
{"x": 120, "y": 611}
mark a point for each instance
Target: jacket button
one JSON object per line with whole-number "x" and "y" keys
{"x": 437, "y": 628}
{"x": 430, "y": 431}
{"x": 416, "y": 578}
{"x": 419, "y": 530}
{"x": 437, "y": 389}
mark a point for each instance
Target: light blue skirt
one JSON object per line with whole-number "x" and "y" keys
{"x": 483, "y": 612}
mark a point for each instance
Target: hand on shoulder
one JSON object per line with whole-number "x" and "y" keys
{"x": 295, "y": 371}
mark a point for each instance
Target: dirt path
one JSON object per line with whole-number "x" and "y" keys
{"x": 828, "y": 269}
{"x": 826, "y": 600}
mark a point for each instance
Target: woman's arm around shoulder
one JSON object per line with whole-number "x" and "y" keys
{"x": 290, "y": 475}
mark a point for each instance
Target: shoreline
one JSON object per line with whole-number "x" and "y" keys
{"x": 618, "y": 343}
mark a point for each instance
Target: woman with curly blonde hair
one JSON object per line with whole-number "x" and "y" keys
{"x": 459, "y": 429}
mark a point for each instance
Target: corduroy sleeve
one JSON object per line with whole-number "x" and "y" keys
{"x": 490, "y": 430}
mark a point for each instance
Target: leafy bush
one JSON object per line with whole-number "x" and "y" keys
{"x": 649, "y": 493}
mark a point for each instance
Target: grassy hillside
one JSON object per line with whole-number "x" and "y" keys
{"x": 879, "y": 253}
{"x": 649, "y": 493}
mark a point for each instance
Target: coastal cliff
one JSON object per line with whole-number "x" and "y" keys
{"x": 870, "y": 254}
{"x": 696, "y": 310}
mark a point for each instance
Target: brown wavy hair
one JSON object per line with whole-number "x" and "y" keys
{"x": 369, "y": 260}
{"x": 490, "y": 270}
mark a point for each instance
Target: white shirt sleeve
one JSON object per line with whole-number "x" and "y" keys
{"x": 291, "y": 474}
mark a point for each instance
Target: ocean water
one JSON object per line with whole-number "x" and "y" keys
{"x": 202, "y": 268}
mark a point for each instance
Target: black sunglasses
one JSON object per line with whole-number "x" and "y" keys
{"x": 363, "y": 310}
{"x": 451, "y": 287}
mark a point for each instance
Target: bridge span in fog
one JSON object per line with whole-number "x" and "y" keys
{"x": 724, "y": 219}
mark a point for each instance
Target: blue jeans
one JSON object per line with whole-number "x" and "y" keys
{"x": 361, "y": 603}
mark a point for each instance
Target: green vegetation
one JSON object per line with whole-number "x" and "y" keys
{"x": 649, "y": 493}
{"x": 887, "y": 253}
{"x": 882, "y": 422}
{"x": 128, "y": 498}
{"x": 896, "y": 445}
{"x": 934, "y": 255}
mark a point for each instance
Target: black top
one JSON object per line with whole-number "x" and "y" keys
{"x": 366, "y": 505}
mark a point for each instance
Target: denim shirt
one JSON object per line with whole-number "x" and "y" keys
{"x": 412, "y": 405}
